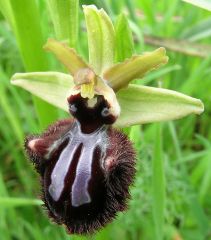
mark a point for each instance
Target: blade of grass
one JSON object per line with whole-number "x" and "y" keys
{"x": 64, "y": 15}
{"x": 198, "y": 31}
{"x": 116, "y": 6}
{"x": 206, "y": 180}
{"x": 124, "y": 46}
{"x": 191, "y": 157}
{"x": 175, "y": 140}
{"x": 74, "y": 22}
{"x": 158, "y": 74}
{"x": 200, "y": 217}
{"x": 198, "y": 212}
{"x": 17, "y": 202}
{"x": 131, "y": 8}
{"x": 195, "y": 77}
{"x": 19, "y": 99}
{"x": 23, "y": 176}
{"x": 205, "y": 4}
{"x": 158, "y": 184}
{"x": 148, "y": 10}
{"x": 181, "y": 46}
{"x": 138, "y": 35}
{"x": 14, "y": 121}
{"x": 33, "y": 231}
{"x": 165, "y": 26}
{"x": 135, "y": 136}
{"x": 30, "y": 47}
{"x": 3, "y": 215}
{"x": 9, "y": 215}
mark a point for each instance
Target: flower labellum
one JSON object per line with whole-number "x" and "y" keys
{"x": 86, "y": 166}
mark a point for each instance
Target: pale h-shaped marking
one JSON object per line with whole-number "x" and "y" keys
{"x": 80, "y": 194}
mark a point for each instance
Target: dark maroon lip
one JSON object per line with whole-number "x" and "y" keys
{"x": 86, "y": 168}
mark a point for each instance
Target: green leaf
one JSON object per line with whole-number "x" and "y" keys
{"x": 100, "y": 38}
{"x": 64, "y": 15}
{"x": 140, "y": 104}
{"x": 53, "y": 87}
{"x": 205, "y": 4}
{"x": 121, "y": 74}
{"x": 66, "y": 56}
{"x": 124, "y": 46}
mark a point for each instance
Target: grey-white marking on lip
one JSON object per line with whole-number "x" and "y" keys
{"x": 59, "y": 172}
{"x": 80, "y": 194}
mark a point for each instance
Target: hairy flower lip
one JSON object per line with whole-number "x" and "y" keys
{"x": 110, "y": 169}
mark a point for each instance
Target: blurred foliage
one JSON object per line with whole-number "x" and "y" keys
{"x": 186, "y": 143}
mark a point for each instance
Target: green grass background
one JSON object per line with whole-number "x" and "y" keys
{"x": 183, "y": 146}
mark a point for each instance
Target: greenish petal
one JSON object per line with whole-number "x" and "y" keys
{"x": 101, "y": 38}
{"x": 53, "y": 87}
{"x": 121, "y": 74}
{"x": 140, "y": 104}
{"x": 67, "y": 56}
